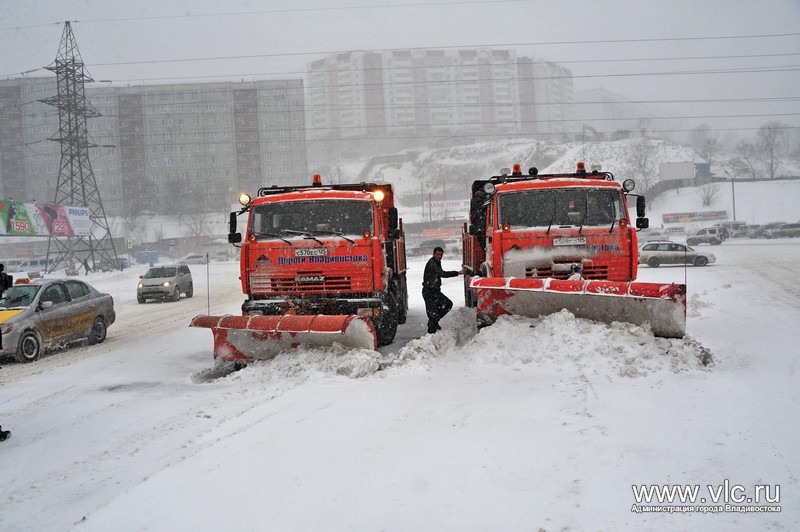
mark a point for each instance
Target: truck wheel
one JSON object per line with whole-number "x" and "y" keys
{"x": 654, "y": 262}
{"x": 30, "y": 348}
{"x": 402, "y": 301}
{"x": 386, "y": 325}
{"x": 469, "y": 294}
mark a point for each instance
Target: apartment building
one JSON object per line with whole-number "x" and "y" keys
{"x": 436, "y": 91}
{"x": 160, "y": 148}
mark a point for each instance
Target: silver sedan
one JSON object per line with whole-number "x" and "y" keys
{"x": 655, "y": 254}
{"x": 49, "y": 312}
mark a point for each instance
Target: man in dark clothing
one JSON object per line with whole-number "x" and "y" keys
{"x": 437, "y": 305}
{"x": 5, "y": 280}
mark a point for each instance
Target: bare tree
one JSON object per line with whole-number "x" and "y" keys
{"x": 641, "y": 161}
{"x": 745, "y": 162}
{"x": 708, "y": 193}
{"x": 706, "y": 144}
{"x": 771, "y": 140}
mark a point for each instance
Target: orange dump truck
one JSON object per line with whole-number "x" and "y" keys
{"x": 537, "y": 244}
{"x": 320, "y": 264}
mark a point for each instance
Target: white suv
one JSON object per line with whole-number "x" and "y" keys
{"x": 709, "y": 235}
{"x": 193, "y": 258}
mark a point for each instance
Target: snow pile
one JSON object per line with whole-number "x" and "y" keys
{"x": 558, "y": 341}
{"x": 302, "y": 364}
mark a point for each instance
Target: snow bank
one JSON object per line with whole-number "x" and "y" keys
{"x": 559, "y": 340}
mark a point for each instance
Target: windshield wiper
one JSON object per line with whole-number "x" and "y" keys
{"x": 306, "y": 234}
{"x": 553, "y": 218}
{"x": 274, "y": 235}
{"x": 334, "y": 233}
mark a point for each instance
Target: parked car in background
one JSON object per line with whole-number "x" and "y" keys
{"x": 762, "y": 229}
{"x": 649, "y": 236}
{"x": 108, "y": 265}
{"x": 426, "y": 247}
{"x": 45, "y": 313}
{"x": 165, "y": 282}
{"x": 193, "y": 258}
{"x": 783, "y": 230}
{"x": 709, "y": 235}
{"x": 654, "y": 254}
{"x": 733, "y": 229}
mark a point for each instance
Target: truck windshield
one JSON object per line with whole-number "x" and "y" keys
{"x": 564, "y": 206}
{"x": 333, "y": 217}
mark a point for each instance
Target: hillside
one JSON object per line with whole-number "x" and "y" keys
{"x": 447, "y": 173}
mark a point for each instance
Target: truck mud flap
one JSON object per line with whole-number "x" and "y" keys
{"x": 246, "y": 338}
{"x": 663, "y": 306}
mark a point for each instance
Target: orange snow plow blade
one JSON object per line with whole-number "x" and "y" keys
{"x": 663, "y": 306}
{"x": 245, "y": 338}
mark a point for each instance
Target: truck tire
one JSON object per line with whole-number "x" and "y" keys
{"x": 386, "y": 325}
{"x": 470, "y": 300}
{"x": 402, "y": 301}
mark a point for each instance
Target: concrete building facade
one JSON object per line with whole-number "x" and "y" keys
{"x": 397, "y": 93}
{"x": 166, "y": 146}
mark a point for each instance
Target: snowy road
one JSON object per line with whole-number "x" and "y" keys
{"x": 530, "y": 424}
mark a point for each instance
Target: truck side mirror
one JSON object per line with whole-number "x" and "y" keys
{"x": 393, "y": 223}
{"x": 233, "y": 236}
{"x": 641, "y": 206}
{"x": 642, "y": 223}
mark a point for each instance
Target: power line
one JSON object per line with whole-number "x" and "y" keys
{"x": 455, "y": 46}
{"x": 272, "y": 11}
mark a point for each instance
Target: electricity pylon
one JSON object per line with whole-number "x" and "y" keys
{"x": 76, "y": 186}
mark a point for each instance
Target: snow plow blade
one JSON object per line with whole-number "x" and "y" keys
{"x": 663, "y": 306}
{"x": 246, "y": 338}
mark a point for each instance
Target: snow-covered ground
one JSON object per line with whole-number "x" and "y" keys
{"x": 528, "y": 425}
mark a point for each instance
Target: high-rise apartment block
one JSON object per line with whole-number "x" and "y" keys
{"x": 397, "y": 93}
{"x": 161, "y": 148}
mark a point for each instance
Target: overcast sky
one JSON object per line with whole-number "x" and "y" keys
{"x": 135, "y": 41}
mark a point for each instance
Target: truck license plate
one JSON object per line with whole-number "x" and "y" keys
{"x": 570, "y": 241}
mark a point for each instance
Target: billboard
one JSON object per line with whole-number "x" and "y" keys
{"x": 446, "y": 208}
{"x": 673, "y": 171}
{"x": 687, "y": 217}
{"x": 35, "y": 219}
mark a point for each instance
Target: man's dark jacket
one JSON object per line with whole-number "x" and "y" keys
{"x": 432, "y": 279}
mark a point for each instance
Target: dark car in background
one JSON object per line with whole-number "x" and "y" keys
{"x": 41, "y": 314}
{"x": 784, "y": 230}
{"x": 760, "y": 231}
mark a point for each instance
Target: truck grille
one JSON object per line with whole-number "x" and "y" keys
{"x": 261, "y": 284}
{"x": 597, "y": 271}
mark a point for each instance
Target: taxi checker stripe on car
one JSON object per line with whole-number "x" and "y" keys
{"x": 60, "y": 326}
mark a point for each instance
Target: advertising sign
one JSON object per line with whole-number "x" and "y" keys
{"x": 34, "y": 219}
